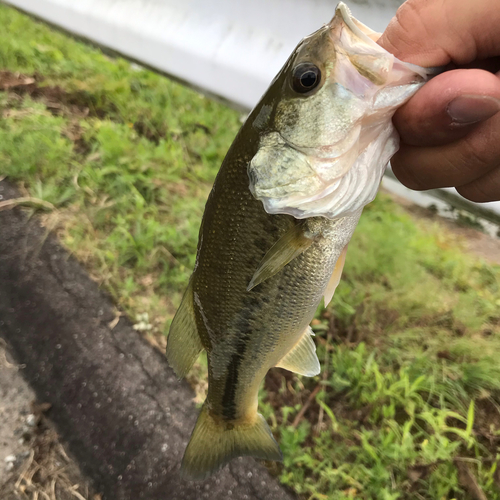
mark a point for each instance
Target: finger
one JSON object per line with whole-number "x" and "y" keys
{"x": 446, "y": 108}
{"x": 437, "y": 32}
{"x": 486, "y": 188}
{"x": 454, "y": 164}
{"x": 492, "y": 64}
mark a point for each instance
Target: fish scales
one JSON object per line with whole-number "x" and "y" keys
{"x": 276, "y": 227}
{"x": 251, "y": 326}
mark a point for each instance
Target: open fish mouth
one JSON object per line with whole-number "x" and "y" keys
{"x": 343, "y": 13}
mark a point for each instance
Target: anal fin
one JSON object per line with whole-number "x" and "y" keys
{"x": 183, "y": 341}
{"x": 302, "y": 358}
{"x": 290, "y": 245}
{"x": 335, "y": 278}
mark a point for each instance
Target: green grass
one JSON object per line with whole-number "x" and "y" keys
{"x": 128, "y": 160}
{"x": 409, "y": 393}
{"x": 410, "y": 382}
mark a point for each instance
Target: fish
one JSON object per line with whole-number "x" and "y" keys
{"x": 276, "y": 227}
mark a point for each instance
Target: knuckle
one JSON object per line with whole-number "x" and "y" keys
{"x": 398, "y": 35}
{"x": 411, "y": 18}
{"x": 476, "y": 192}
{"x": 484, "y": 189}
{"x": 406, "y": 174}
{"x": 481, "y": 151}
{"x": 411, "y": 34}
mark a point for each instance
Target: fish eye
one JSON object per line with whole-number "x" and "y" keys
{"x": 305, "y": 77}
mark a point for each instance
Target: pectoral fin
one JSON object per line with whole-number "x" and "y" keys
{"x": 183, "y": 341}
{"x": 335, "y": 278}
{"x": 302, "y": 358}
{"x": 289, "y": 246}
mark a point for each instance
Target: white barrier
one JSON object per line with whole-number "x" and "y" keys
{"x": 232, "y": 48}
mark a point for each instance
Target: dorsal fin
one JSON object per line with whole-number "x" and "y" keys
{"x": 302, "y": 358}
{"x": 290, "y": 245}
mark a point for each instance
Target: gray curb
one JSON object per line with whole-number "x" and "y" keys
{"x": 115, "y": 402}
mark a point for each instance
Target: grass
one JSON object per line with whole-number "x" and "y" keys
{"x": 408, "y": 402}
{"x": 409, "y": 390}
{"x": 127, "y": 157}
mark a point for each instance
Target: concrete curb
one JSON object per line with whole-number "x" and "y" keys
{"x": 115, "y": 402}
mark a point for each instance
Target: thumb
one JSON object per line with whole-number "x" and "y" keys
{"x": 438, "y": 32}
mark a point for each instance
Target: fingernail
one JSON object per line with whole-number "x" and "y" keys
{"x": 469, "y": 109}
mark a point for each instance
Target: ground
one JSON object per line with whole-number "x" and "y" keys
{"x": 474, "y": 241}
{"x": 114, "y": 400}
{"x": 32, "y": 459}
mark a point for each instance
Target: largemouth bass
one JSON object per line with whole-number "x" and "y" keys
{"x": 276, "y": 226}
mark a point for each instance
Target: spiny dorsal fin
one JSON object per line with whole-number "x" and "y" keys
{"x": 302, "y": 358}
{"x": 183, "y": 341}
{"x": 335, "y": 278}
{"x": 289, "y": 246}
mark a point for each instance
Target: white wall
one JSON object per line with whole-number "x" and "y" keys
{"x": 232, "y": 48}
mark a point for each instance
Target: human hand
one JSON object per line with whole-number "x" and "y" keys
{"x": 450, "y": 129}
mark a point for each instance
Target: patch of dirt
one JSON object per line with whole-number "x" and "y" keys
{"x": 487, "y": 420}
{"x": 76, "y": 105}
{"x": 121, "y": 410}
{"x": 57, "y": 100}
{"x": 281, "y": 393}
{"x": 33, "y": 463}
{"x": 149, "y": 131}
{"x": 15, "y": 398}
{"x": 75, "y": 133}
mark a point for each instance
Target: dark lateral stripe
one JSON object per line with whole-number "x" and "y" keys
{"x": 229, "y": 398}
{"x": 253, "y": 304}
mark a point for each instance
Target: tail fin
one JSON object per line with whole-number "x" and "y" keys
{"x": 214, "y": 443}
